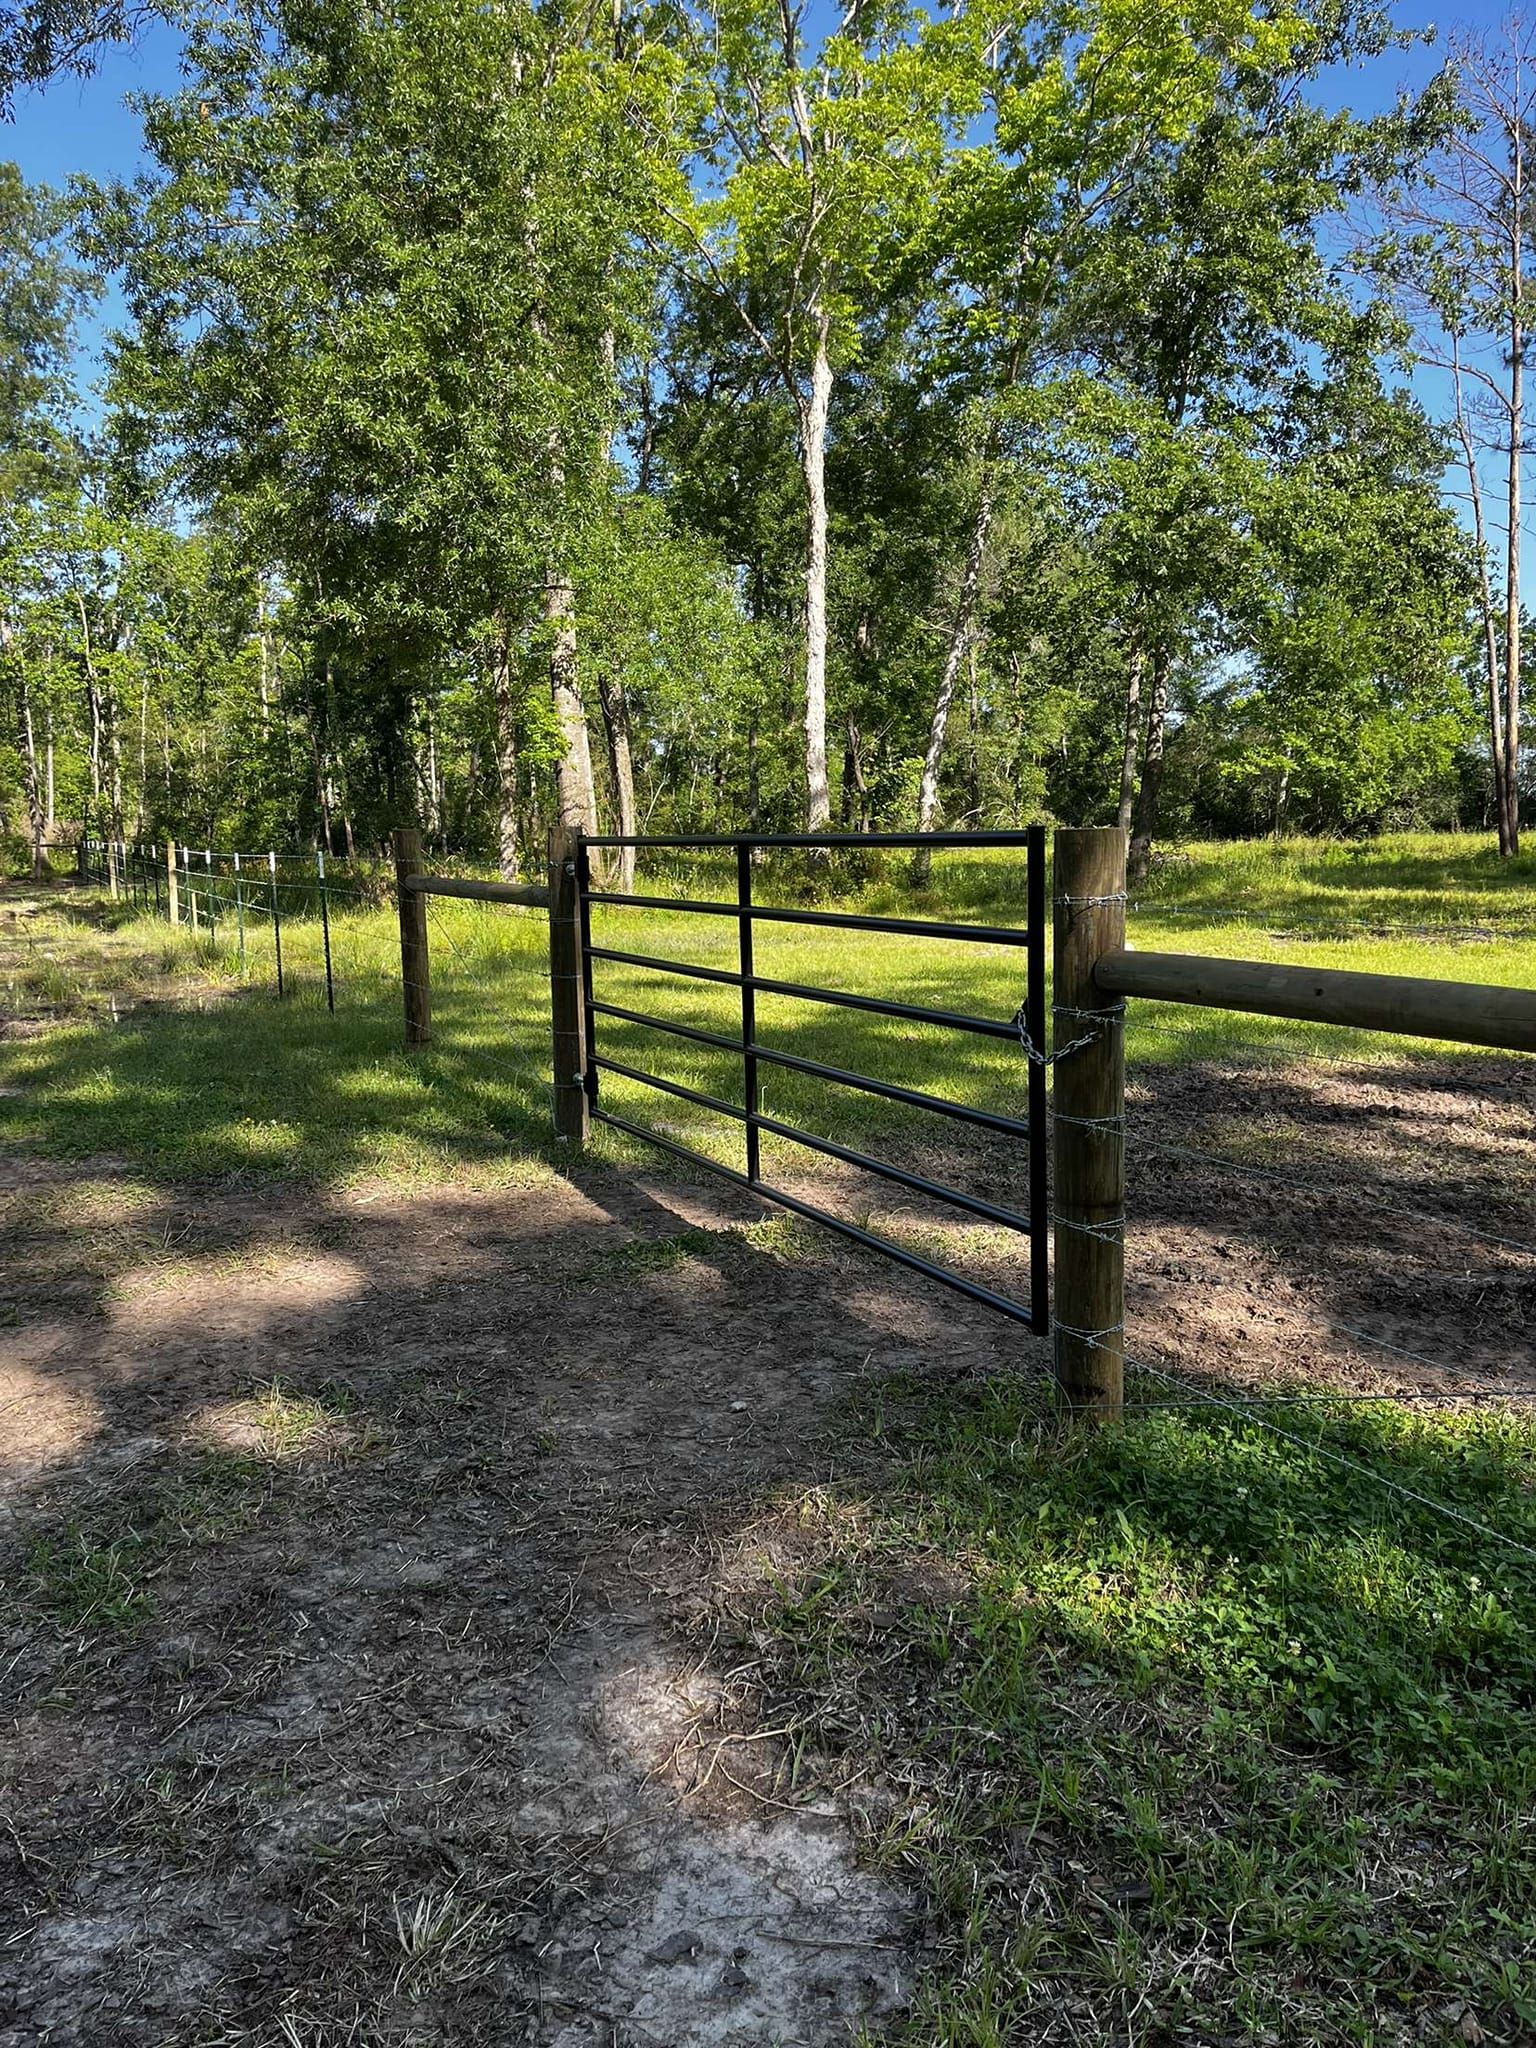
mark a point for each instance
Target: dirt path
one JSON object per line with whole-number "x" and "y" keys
{"x": 355, "y": 1659}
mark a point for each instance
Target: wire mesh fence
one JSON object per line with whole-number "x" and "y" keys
{"x": 256, "y": 907}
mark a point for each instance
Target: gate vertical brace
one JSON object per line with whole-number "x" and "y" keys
{"x": 1089, "y": 1124}
{"x": 750, "y": 1098}
{"x": 1038, "y": 1111}
{"x": 567, "y": 988}
{"x": 591, "y": 1079}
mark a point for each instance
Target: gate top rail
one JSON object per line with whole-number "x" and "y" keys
{"x": 843, "y": 920}
{"x": 837, "y": 841}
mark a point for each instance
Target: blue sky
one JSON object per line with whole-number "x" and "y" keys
{"x": 84, "y": 127}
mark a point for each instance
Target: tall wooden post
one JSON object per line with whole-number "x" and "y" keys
{"x": 567, "y": 1008}
{"x": 172, "y": 885}
{"x": 1089, "y": 1124}
{"x": 415, "y": 965}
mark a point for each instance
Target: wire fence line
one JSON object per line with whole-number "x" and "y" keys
{"x": 1495, "y": 925}
{"x": 241, "y": 893}
{"x": 1253, "y": 1410}
{"x": 1299, "y": 1183}
{"x": 204, "y": 888}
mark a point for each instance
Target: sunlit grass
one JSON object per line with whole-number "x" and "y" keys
{"x": 208, "y": 1070}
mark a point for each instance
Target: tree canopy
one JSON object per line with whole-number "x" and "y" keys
{"x": 726, "y": 416}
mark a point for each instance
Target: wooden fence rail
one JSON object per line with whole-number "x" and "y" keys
{"x": 531, "y": 895}
{"x": 1470, "y": 1013}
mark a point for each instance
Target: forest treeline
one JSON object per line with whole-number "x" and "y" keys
{"x": 734, "y": 416}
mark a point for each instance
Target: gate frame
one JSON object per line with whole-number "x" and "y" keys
{"x": 1026, "y": 1029}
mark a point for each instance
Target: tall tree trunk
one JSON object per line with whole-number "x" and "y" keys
{"x": 621, "y": 765}
{"x": 504, "y": 701}
{"x": 954, "y": 657}
{"x": 431, "y": 782}
{"x": 1149, "y": 795}
{"x": 32, "y": 788}
{"x": 855, "y": 782}
{"x": 1132, "y": 745}
{"x": 264, "y": 656}
{"x": 322, "y": 783}
{"x": 112, "y": 711}
{"x": 1514, "y": 508}
{"x": 814, "y": 412}
{"x": 142, "y": 794}
{"x": 52, "y": 800}
{"x": 1487, "y": 610}
{"x": 973, "y": 721}
{"x": 93, "y": 712}
{"x": 576, "y": 795}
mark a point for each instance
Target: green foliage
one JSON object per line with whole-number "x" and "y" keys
{"x": 470, "y": 361}
{"x": 1193, "y": 1672}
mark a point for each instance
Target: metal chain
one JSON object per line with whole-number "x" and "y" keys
{"x": 1099, "y": 1019}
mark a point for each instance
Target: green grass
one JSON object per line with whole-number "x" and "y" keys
{"x": 251, "y": 1084}
{"x": 1194, "y": 1736}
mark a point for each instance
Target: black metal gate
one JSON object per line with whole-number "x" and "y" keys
{"x": 1026, "y": 1029}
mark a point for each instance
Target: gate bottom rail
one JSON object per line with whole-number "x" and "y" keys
{"x": 871, "y": 1241}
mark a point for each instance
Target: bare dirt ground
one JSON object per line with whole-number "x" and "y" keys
{"x": 363, "y": 1662}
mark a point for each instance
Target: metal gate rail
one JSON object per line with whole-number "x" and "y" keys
{"x": 1030, "y": 938}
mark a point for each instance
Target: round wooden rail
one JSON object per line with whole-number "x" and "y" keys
{"x": 1470, "y": 1013}
{"x": 532, "y": 895}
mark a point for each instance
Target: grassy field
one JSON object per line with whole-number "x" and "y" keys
{"x": 245, "y": 1082}
{"x": 1215, "y": 1729}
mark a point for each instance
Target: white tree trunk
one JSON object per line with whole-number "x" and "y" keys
{"x": 813, "y": 459}
{"x": 576, "y": 796}
{"x": 615, "y": 703}
{"x": 504, "y": 703}
{"x": 1515, "y": 480}
{"x": 1132, "y": 744}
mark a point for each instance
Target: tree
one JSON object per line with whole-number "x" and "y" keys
{"x": 377, "y": 284}
{"x": 1076, "y": 99}
{"x": 1458, "y": 248}
{"x": 1212, "y": 291}
{"x": 40, "y": 292}
{"x": 829, "y": 160}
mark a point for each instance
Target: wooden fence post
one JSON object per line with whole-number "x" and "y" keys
{"x": 1089, "y": 1124}
{"x": 415, "y": 964}
{"x": 567, "y": 1007}
{"x": 172, "y": 884}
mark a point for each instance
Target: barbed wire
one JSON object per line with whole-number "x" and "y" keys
{"x": 1251, "y": 1412}
{"x": 1304, "y": 1183}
